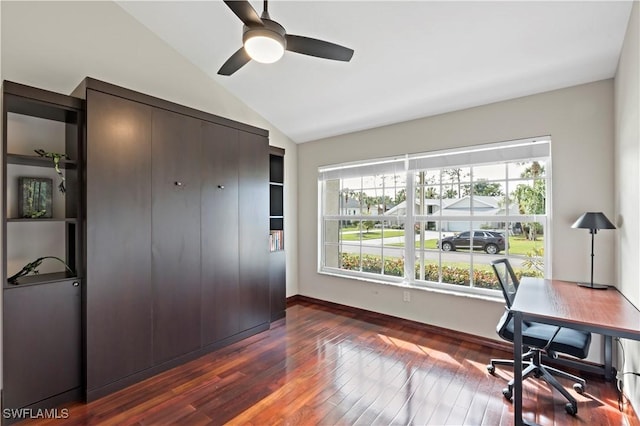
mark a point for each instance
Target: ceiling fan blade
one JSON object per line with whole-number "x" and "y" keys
{"x": 318, "y": 48}
{"x": 235, "y": 62}
{"x": 244, "y": 11}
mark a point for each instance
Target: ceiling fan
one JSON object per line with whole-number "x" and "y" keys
{"x": 265, "y": 40}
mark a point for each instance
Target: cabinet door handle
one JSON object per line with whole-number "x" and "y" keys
{"x": 76, "y": 284}
{"x": 220, "y": 186}
{"x": 177, "y": 183}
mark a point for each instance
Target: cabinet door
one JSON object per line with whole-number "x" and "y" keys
{"x": 176, "y": 234}
{"x": 277, "y": 283}
{"x": 253, "y": 214}
{"x": 118, "y": 289}
{"x": 220, "y": 262}
{"x": 42, "y": 335}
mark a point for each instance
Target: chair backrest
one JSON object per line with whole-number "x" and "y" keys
{"x": 507, "y": 279}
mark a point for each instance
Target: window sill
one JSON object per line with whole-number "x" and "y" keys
{"x": 433, "y": 288}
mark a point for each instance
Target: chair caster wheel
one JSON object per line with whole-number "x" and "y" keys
{"x": 571, "y": 409}
{"x": 491, "y": 369}
{"x": 578, "y": 388}
{"x": 507, "y": 393}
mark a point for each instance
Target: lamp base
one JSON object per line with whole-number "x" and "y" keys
{"x": 595, "y": 286}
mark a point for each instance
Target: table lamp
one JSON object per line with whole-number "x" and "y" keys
{"x": 593, "y": 221}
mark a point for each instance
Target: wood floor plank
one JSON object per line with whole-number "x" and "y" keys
{"x": 322, "y": 366}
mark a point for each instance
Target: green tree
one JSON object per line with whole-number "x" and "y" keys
{"x": 368, "y": 225}
{"x": 455, "y": 177}
{"x": 430, "y": 193}
{"x": 450, "y": 193}
{"x": 400, "y": 197}
{"x": 368, "y": 201}
{"x": 531, "y": 199}
{"x": 484, "y": 188}
{"x": 384, "y": 201}
{"x": 347, "y": 194}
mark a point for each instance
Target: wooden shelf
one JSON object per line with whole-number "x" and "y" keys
{"x": 47, "y": 219}
{"x": 277, "y": 269}
{"x": 34, "y": 102}
{"x": 39, "y": 279}
{"x": 33, "y": 160}
{"x": 276, "y": 166}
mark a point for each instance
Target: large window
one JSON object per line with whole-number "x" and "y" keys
{"x": 438, "y": 218}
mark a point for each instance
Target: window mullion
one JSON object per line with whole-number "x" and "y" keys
{"x": 409, "y": 226}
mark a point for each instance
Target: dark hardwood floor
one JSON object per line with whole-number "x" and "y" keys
{"x": 322, "y": 366}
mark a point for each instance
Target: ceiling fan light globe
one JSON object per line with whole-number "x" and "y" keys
{"x": 265, "y": 44}
{"x": 264, "y": 49}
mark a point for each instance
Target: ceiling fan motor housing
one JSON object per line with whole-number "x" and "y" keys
{"x": 270, "y": 29}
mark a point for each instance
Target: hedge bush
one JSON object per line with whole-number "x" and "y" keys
{"x": 450, "y": 274}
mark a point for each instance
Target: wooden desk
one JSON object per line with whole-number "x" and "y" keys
{"x": 563, "y": 303}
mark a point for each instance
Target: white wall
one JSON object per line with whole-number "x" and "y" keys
{"x": 627, "y": 185}
{"x": 580, "y": 122}
{"x": 54, "y": 45}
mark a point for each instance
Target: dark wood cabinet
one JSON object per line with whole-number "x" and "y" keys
{"x": 41, "y": 313}
{"x": 220, "y": 234}
{"x": 42, "y": 344}
{"x": 175, "y": 218}
{"x": 177, "y": 228}
{"x": 119, "y": 303}
{"x": 253, "y": 215}
{"x": 277, "y": 283}
{"x": 234, "y": 233}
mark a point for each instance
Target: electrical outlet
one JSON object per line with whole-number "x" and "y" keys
{"x": 406, "y": 297}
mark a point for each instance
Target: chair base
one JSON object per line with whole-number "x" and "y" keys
{"x": 526, "y": 361}
{"x": 535, "y": 368}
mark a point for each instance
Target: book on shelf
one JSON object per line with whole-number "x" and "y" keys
{"x": 276, "y": 240}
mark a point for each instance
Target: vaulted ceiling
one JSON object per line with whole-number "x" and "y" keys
{"x": 412, "y": 59}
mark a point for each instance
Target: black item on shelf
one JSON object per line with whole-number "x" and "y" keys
{"x": 31, "y": 268}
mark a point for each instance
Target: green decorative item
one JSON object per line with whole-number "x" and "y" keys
{"x": 34, "y": 197}
{"x": 32, "y": 268}
{"x": 56, "y": 157}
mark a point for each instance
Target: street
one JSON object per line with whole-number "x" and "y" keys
{"x": 374, "y": 247}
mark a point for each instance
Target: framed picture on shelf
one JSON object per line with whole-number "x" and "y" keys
{"x": 34, "y": 197}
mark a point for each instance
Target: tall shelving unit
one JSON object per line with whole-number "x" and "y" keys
{"x": 277, "y": 274}
{"x": 41, "y": 311}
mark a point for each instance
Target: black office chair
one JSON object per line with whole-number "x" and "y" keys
{"x": 538, "y": 339}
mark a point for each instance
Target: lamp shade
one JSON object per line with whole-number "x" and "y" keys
{"x": 594, "y": 221}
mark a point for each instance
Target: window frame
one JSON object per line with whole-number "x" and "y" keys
{"x": 411, "y": 218}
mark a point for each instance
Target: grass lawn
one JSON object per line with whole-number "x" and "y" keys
{"x": 520, "y": 245}
{"x": 517, "y": 245}
{"x": 373, "y": 234}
